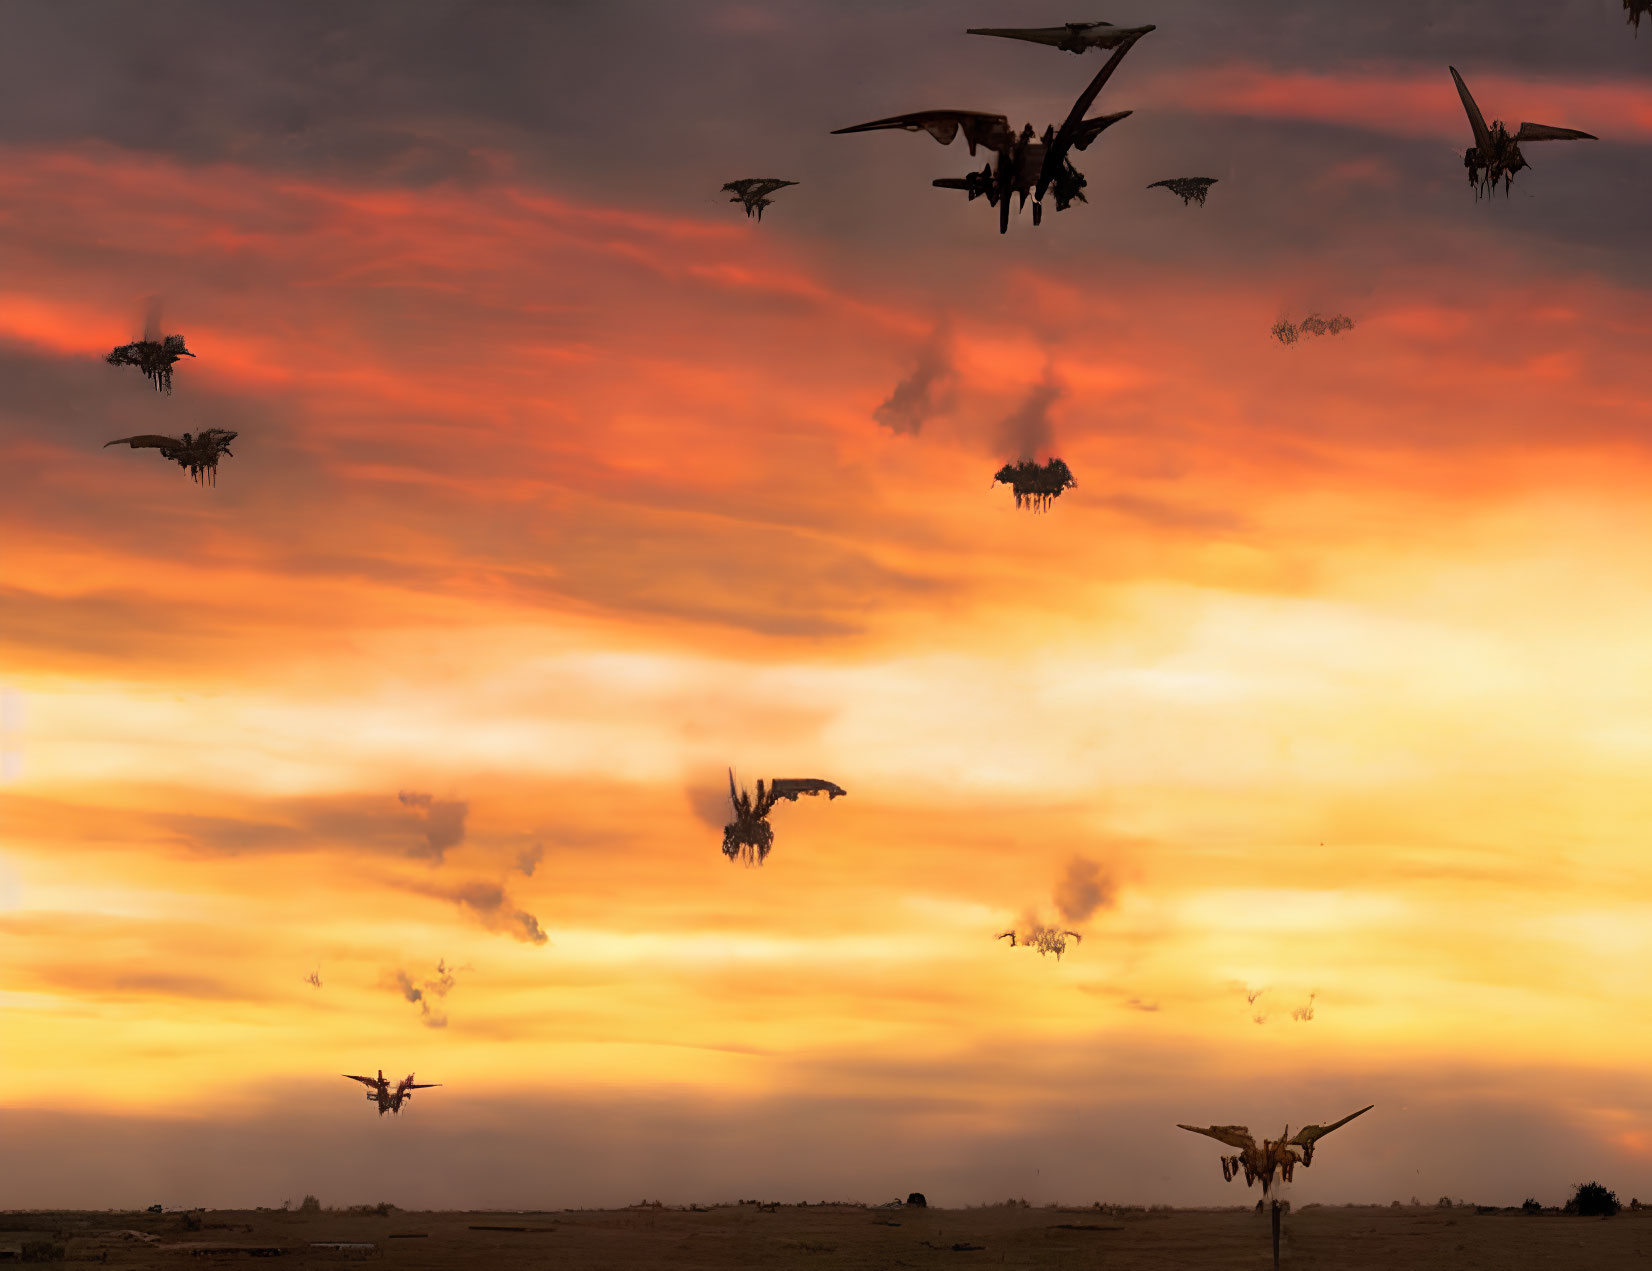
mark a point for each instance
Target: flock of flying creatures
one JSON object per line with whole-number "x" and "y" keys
{"x": 1033, "y": 165}
{"x": 388, "y": 1100}
{"x": 1026, "y": 165}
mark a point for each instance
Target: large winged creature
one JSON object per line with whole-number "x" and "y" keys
{"x": 1274, "y": 1154}
{"x": 1035, "y": 484}
{"x": 754, "y": 193}
{"x": 379, "y": 1092}
{"x": 1044, "y": 939}
{"x": 749, "y": 835}
{"x": 1026, "y": 164}
{"x": 1072, "y": 37}
{"x": 153, "y": 357}
{"x": 199, "y": 453}
{"x": 1496, "y": 153}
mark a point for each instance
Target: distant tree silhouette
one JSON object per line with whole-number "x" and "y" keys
{"x": 309, "y": 1205}
{"x": 1531, "y": 1206}
{"x": 1445, "y": 1202}
{"x": 1593, "y": 1201}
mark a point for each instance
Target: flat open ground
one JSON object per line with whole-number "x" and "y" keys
{"x": 828, "y": 1237}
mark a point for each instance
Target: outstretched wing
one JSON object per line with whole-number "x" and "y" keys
{"x": 1476, "y": 121}
{"x": 1548, "y": 132}
{"x": 1076, "y": 36}
{"x": 1184, "y": 183}
{"x": 1233, "y": 1135}
{"x": 1052, "y": 35}
{"x": 980, "y": 129}
{"x": 1308, "y": 1134}
{"x": 366, "y": 1081}
{"x": 421, "y": 1085}
{"x": 791, "y": 787}
{"x": 1076, "y": 130}
{"x": 149, "y": 440}
{"x": 756, "y": 187}
{"x": 1089, "y": 129}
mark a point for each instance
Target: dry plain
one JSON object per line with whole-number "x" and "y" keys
{"x": 832, "y": 1237}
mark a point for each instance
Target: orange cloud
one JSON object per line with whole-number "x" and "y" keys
{"x": 1409, "y": 104}
{"x": 554, "y": 508}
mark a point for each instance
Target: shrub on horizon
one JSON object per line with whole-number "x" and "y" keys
{"x": 1592, "y": 1200}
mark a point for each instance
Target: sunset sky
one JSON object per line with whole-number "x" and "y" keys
{"x": 561, "y": 486}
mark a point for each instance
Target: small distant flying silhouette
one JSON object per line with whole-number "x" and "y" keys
{"x": 1036, "y": 484}
{"x": 1189, "y": 189}
{"x": 200, "y": 453}
{"x": 379, "y": 1092}
{"x": 754, "y": 193}
{"x": 749, "y": 835}
{"x": 313, "y": 979}
{"x": 1044, "y": 939}
{"x": 1495, "y": 154}
{"x": 1073, "y": 37}
{"x": 1288, "y": 332}
{"x": 1274, "y": 1154}
{"x": 1027, "y": 165}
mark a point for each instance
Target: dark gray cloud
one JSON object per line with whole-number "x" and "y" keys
{"x": 419, "y": 90}
{"x": 568, "y": 97}
{"x": 709, "y": 802}
{"x": 527, "y": 860}
{"x": 444, "y": 821}
{"x": 426, "y": 993}
{"x": 488, "y": 902}
{"x": 924, "y": 391}
{"x": 1026, "y": 432}
{"x": 1085, "y": 887}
